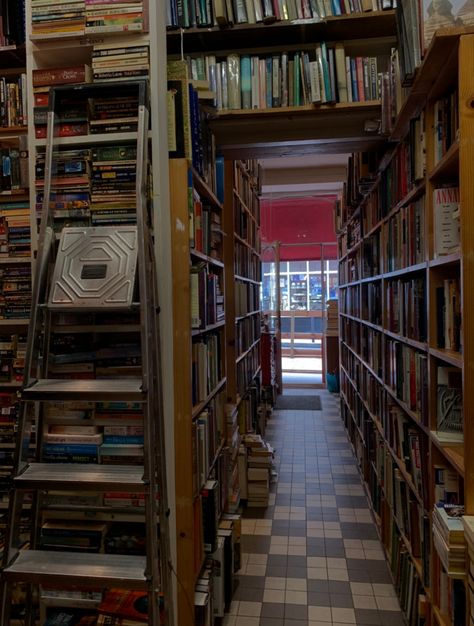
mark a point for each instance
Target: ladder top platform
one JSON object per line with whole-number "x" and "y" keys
{"x": 52, "y": 567}
{"x": 81, "y": 476}
{"x": 109, "y": 389}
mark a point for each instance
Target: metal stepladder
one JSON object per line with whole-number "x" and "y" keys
{"x": 93, "y": 270}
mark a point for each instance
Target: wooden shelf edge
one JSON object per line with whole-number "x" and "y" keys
{"x": 204, "y": 189}
{"x": 450, "y": 356}
{"x": 195, "y": 332}
{"x": 446, "y": 162}
{"x": 307, "y": 109}
{"x": 204, "y": 257}
{"x": 198, "y": 408}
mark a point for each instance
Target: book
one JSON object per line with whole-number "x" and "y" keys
{"x": 446, "y": 226}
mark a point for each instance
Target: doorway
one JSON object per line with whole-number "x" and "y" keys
{"x": 294, "y": 299}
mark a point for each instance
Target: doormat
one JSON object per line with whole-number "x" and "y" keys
{"x": 299, "y": 403}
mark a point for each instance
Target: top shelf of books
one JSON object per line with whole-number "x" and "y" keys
{"x": 373, "y": 24}
{"x": 87, "y": 17}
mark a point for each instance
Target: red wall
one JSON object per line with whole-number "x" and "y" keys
{"x": 299, "y": 221}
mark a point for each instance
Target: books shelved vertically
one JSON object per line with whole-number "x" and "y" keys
{"x": 405, "y": 342}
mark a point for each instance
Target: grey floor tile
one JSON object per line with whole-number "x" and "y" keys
{"x": 341, "y": 600}
{"x": 392, "y": 618}
{"x": 318, "y": 598}
{"x": 296, "y": 572}
{"x": 249, "y": 594}
{"x": 296, "y": 611}
{"x": 318, "y": 586}
{"x": 296, "y": 561}
{"x": 368, "y": 616}
{"x": 257, "y": 582}
{"x": 271, "y": 621}
{"x": 339, "y": 586}
{"x": 295, "y": 622}
{"x": 273, "y": 609}
{"x": 278, "y": 571}
{"x": 277, "y": 559}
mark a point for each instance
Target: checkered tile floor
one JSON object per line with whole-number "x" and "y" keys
{"x": 313, "y": 557}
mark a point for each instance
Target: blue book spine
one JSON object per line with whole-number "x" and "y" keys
{"x": 70, "y": 448}
{"x": 336, "y": 7}
{"x": 220, "y": 178}
{"x": 128, "y": 439}
{"x": 246, "y": 81}
{"x": 355, "y": 90}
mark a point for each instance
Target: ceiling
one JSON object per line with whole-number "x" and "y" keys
{"x": 312, "y": 175}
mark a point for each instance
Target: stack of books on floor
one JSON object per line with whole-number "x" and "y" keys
{"x": 448, "y": 538}
{"x": 468, "y": 522}
{"x": 259, "y": 463}
{"x": 107, "y": 16}
{"x": 120, "y": 61}
{"x": 64, "y": 17}
{"x": 15, "y": 292}
{"x": 332, "y": 319}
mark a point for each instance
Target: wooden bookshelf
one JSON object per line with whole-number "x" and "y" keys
{"x": 374, "y": 24}
{"x": 394, "y": 383}
{"x": 188, "y": 409}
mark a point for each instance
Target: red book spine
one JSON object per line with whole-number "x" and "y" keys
{"x": 360, "y": 78}
{"x": 60, "y": 76}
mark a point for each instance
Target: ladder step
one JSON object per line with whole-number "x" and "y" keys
{"x": 73, "y": 568}
{"x": 78, "y": 476}
{"x": 120, "y": 389}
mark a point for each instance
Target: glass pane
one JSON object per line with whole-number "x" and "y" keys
{"x": 315, "y": 293}
{"x": 284, "y": 299}
{"x": 332, "y": 283}
{"x": 283, "y": 266}
{"x": 315, "y": 266}
{"x": 333, "y": 266}
{"x": 298, "y": 292}
{"x": 297, "y": 266}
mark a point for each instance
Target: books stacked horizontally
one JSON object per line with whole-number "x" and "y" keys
{"x": 109, "y": 16}
{"x": 120, "y": 61}
{"x": 448, "y": 538}
{"x": 468, "y": 523}
{"x": 324, "y": 74}
{"x": 113, "y": 197}
{"x": 259, "y": 463}
{"x": 12, "y": 353}
{"x": 15, "y": 235}
{"x": 72, "y": 120}
{"x": 63, "y": 17}
{"x": 13, "y": 111}
{"x": 70, "y": 187}
{"x": 332, "y": 315}
{"x": 9, "y": 409}
{"x": 15, "y": 291}
{"x": 114, "y": 115}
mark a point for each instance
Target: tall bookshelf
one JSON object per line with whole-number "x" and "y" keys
{"x": 199, "y": 343}
{"x": 402, "y": 342}
{"x": 15, "y": 241}
{"x": 243, "y": 271}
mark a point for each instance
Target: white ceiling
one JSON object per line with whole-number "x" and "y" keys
{"x": 312, "y": 175}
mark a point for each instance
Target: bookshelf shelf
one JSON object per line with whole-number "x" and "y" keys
{"x": 96, "y": 328}
{"x": 14, "y": 131}
{"x": 448, "y": 356}
{"x": 14, "y": 260}
{"x": 419, "y": 267}
{"x": 99, "y": 139}
{"x": 251, "y": 314}
{"x": 454, "y": 452}
{"x": 202, "y": 405}
{"x": 203, "y": 189}
{"x": 247, "y": 352}
{"x": 441, "y": 618}
{"x": 448, "y": 259}
{"x": 418, "y": 345}
{"x": 245, "y": 243}
{"x": 376, "y": 24}
{"x": 203, "y": 257}
{"x": 202, "y": 331}
{"x": 448, "y": 166}
{"x": 244, "y": 279}
{"x": 14, "y": 322}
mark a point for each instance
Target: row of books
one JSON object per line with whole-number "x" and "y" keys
{"x": 15, "y": 291}
{"x": 189, "y": 135}
{"x": 12, "y": 23}
{"x": 79, "y": 17}
{"x": 205, "y": 228}
{"x": 448, "y": 315}
{"x": 371, "y": 352}
{"x": 13, "y": 107}
{"x": 371, "y": 309}
{"x": 247, "y": 298}
{"x": 247, "y": 368}
{"x": 207, "y": 298}
{"x": 406, "y": 373}
{"x": 120, "y": 61}
{"x": 207, "y": 436}
{"x": 13, "y": 171}
{"x": 247, "y": 332}
{"x": 90, "y": 185}
{"x": 190, "y": 14}
{"x": 405, "y": 239}
{"x": 406, "y": 303}
{"x": 325, "y": 74}
{"x": 247, "y": 261}
{"x": 12, "y": 353}
{"x": 417, "y": 23}
{"x": 206, "y": 366}
{"x": 15, "y": 236}
{"x": 245, "y": 184}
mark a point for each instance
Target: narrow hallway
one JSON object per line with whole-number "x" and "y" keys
{"x": 313, "y": 557}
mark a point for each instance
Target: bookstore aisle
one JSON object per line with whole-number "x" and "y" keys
{"x": 313, "y": 557}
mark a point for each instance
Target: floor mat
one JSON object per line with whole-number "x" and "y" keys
{"x": 299, "y": 403}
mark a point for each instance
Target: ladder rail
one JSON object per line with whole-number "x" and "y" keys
{"x": 157, "y": 570}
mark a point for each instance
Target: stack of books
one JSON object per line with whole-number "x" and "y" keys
{"x": 114, "y": 115}
{"x": 468, "y": 522}
{"x": 259, "y": 463}
{"x": 120, "y": 61}
{"x": 108, "y": 16}
{"x": 13, "y": 111}
{"x": 70, "y": 187}
{"x": 113, "y": 198}
{"x": 332, "y": 315}
{"x": 9, "y": 409}
{"x": 64, "y": 17}
{"x": 448, "y": 538}
{"x": 15, "y": 292}
{"x": 72, "y": 119}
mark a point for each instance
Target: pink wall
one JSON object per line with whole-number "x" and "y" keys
{"x": 299, "y": 220}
